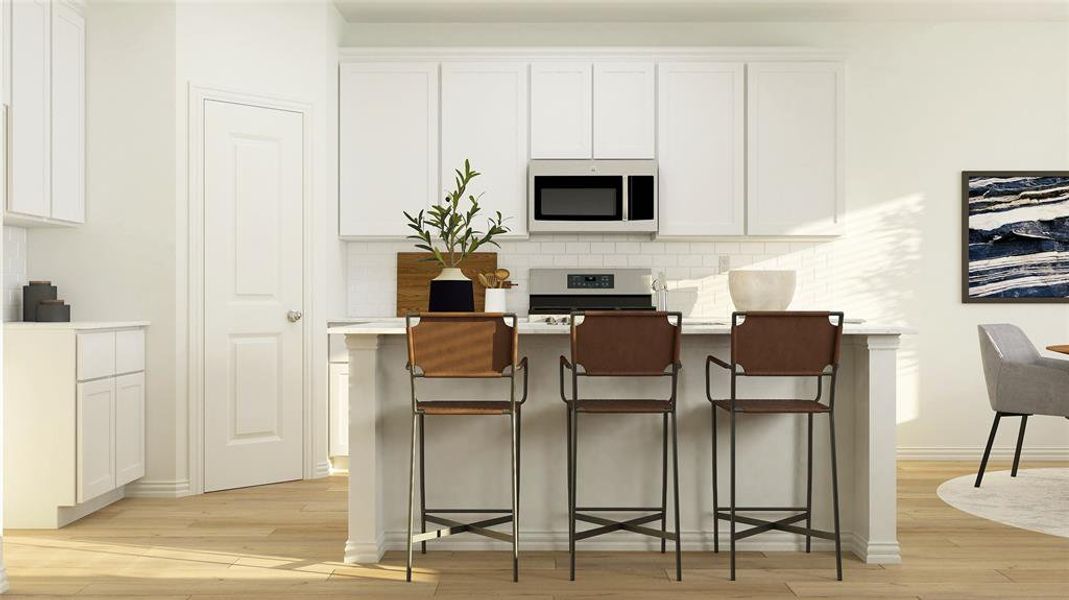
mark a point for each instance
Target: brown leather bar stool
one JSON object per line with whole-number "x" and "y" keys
{"x": 623, "y": 344}
{"x": 780, "y": 344}
{"x": 473, "y": 346}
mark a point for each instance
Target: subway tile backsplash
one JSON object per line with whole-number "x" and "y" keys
{"x": 696, "y": 271}
{"x": 14, "y": 276}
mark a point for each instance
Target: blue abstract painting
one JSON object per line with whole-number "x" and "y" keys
{"x": 1017, "y": 236}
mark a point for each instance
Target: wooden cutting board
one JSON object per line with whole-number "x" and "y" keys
{"x": 414, "y": 275}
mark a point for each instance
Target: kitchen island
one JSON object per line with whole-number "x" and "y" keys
{"x": 467, "y": 458}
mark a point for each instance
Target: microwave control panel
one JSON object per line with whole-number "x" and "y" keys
{"x": 597, "y": 281}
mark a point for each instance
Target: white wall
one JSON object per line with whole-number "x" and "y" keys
{"x": 286, "y": 50}
{"x": 120, "y": 265}
{"x": 924, "y": 102}
{"x": 15, "y": 248}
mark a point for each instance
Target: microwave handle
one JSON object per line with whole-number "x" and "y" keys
{"x": 626, "y": 201}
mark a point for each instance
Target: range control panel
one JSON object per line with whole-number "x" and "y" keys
{"x": 590, "y": 281}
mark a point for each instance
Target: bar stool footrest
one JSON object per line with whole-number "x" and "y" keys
{"x": 784, "y": 524}
{"x": 633, "y": 525}
{"x": 454, "y": 527}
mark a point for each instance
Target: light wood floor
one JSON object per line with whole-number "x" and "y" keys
{"x": 284, "y": 541}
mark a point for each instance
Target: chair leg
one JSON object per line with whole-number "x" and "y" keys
{"x": 733, "y": 495}
{"x": 716, "y": 505}
{"x": 675, "y": 496}
{"x": 664, "y": 479}
{"x": 835, "y": 499}
{"x": 411, "y": 496}
{"x": 513, "y": 418}
{"x": 809, "y": 482}
{"x": 1020, "y": 442}
{"x": 422, "y": 490}
{"x": 574, "y": 462}
{"x": 987, "y": 450}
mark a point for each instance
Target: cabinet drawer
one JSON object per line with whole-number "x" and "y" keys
{"x": 129, "y": 351}
{"x": 96, "y": 355}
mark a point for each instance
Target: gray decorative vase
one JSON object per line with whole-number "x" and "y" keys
{"x": 53, "y": 311}
{"x": 33, "y": 294}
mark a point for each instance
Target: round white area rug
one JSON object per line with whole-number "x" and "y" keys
{"x": 1037, "y": 499}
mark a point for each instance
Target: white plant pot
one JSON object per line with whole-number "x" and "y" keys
{"x": 761, "y": 290}
{"x": 495, "y": 301}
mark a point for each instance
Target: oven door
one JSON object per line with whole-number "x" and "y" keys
{"x": 579, "y": 198}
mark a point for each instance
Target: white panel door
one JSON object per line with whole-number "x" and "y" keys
{"x": 701, "y": 128}
{"x": 96, "y": 438}
{"x": 623, "y": 110}
{"x": 339, "y": 409}
{"x": 388, "y": 124}
{"x": 129, "y": 428}
{"x": 795, "y": 137}
{"x": 31, "y": 27}
{"x": 561, "y": 106}
{"x": 484, "y": 119}
{"x": 68, "y": 114}
{"x": 253, "y": 374}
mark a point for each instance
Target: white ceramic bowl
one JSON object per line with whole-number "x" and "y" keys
{"x": 761, "y": 290}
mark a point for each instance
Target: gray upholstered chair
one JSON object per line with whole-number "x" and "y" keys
{"x": 1020, "y": 383}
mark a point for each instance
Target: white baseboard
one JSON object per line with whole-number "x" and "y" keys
{"x": 321, "y": 469}
{"x": 366, "y": 553}
{"x": 158, "y": 489}
{"x": 4, "y": 585}
{"x": 974, "y": 453}
{"x": 557, "y": 541}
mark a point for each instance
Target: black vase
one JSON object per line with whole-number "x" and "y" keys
{"x": 451, "y": 292}
{"x": 33, "y": 294}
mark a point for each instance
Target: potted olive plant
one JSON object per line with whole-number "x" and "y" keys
{"x": 446, "y": 230}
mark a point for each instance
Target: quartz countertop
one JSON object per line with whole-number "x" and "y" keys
{"x": 695, "y": 326}
{"x": 80, "y": 325}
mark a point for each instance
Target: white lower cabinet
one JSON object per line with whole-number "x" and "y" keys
{"x": 74, "y": 419}
{"x": 96, "y": 438}
{"x": 129, "y": 428}
{"x": 339, "y": 409}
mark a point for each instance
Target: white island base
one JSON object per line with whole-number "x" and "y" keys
{"x": 620, "y": 455}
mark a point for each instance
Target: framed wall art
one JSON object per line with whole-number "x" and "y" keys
{"x": 1015, "y": 230}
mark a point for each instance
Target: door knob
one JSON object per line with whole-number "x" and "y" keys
{"x": 294, "y": 316}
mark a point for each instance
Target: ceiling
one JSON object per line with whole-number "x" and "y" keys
{"x": 551, "y": 11}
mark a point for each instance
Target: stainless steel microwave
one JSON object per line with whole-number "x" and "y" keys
{"x": 592, "y": 196}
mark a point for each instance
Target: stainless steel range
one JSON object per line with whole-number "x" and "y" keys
{"x": 555, "y": 293}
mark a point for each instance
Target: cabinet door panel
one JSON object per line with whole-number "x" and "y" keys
{"x": 795, "y": 138}
{"x": 561, "y": 106}
{"x": 339, "y": 409}
{"x": 700, "y": 148}
{"x": 389, "y": 145}
{"x": 623, "y": 110}
{"x": 129, "y": 428}
{"x": 30, "y": 112}
{"x": 68, "y": 114}
{"x": 96, "y": 438}
{"x": 484, "y": 119}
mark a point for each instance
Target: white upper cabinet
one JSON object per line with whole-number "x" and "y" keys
{"x": 701, "y": 124}
{"x": 68, "y": 114}
{"x": 484, "y": 119}
{"x": 46, "y": 140}
{"x": 623, "y": 110}
{"x": 30, "y": 177}
{"x": 561, "y": 105}
{"x": 795, "y": 142}
{"x": 388, "y": 127}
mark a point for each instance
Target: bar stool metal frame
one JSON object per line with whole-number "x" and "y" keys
{"x": 623, "y": 344}
{"x": 780, "y": 344}
{"x": 472, "y": 346}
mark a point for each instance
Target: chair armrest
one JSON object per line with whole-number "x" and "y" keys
{"x": 709, "y": 361}
{"x": 1040, "y": 388}
{"x": 564, "y": 364}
